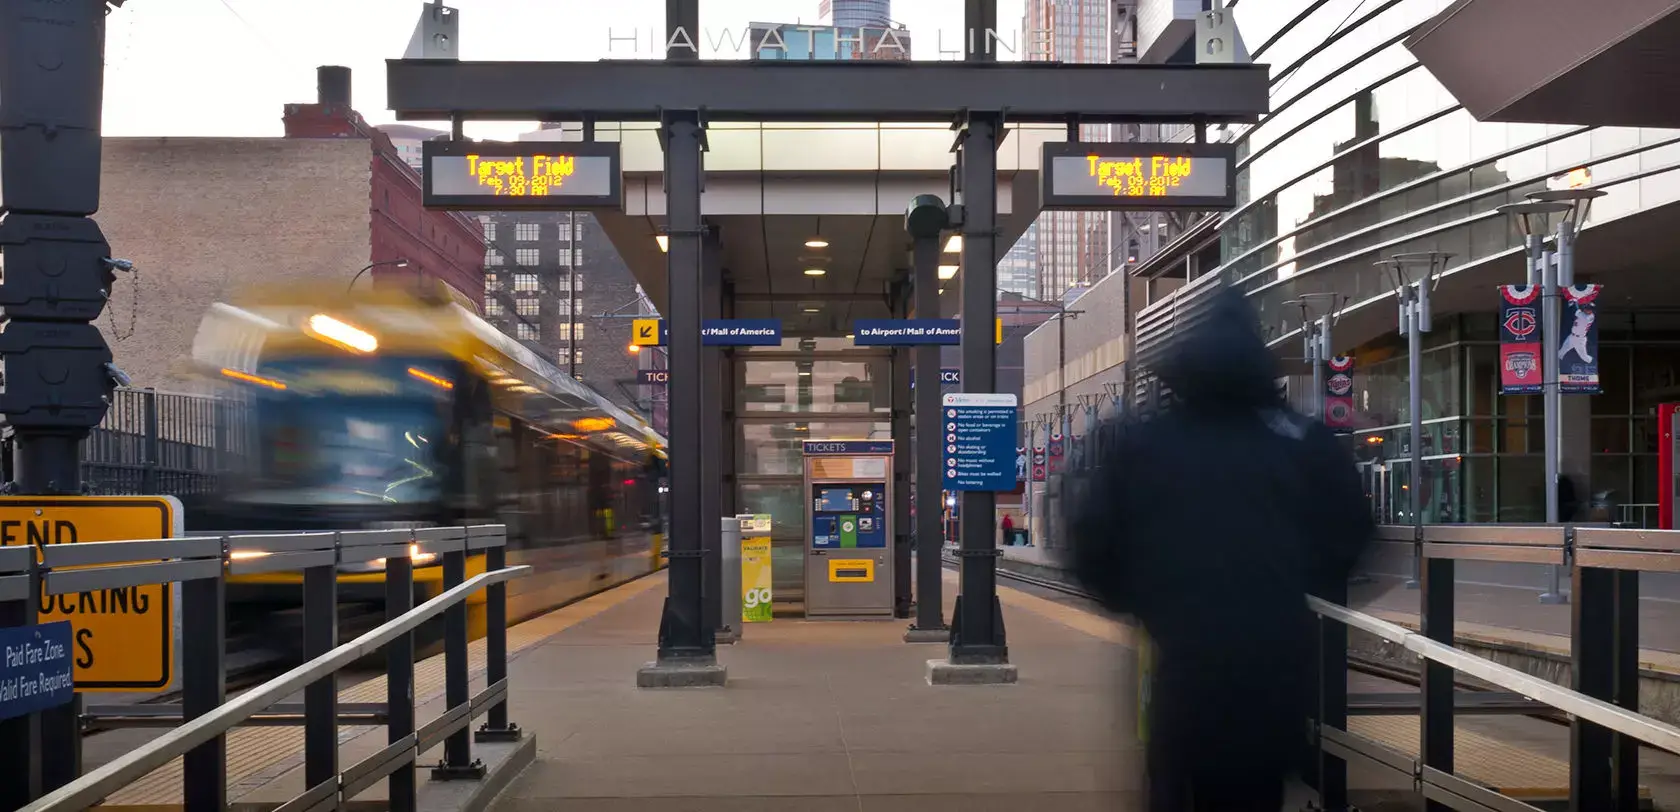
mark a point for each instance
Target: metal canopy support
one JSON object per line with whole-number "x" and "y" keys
{"x": 901, "y": 395}
{"x": 977, "y": 636}
{"x": 682, "y": 31}
{"x": 637, "y": 90}
{"x": 712, "y": 426}
{"x": 685, "y": 641}
{"x": 930, "y": 584}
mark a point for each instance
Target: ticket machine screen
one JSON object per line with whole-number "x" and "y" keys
{"x": 849, "y": 516}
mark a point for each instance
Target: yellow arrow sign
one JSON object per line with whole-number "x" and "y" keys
{"x": 644, "y": 332}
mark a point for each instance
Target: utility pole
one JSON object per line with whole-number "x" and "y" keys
{"x": 58, "y": 371}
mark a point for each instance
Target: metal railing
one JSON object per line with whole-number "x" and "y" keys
{"x": 201, "y": 564}
{"x": 1602, "y": 701}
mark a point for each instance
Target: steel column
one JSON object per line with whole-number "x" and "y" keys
{"x": 712, "y": 445}
{"x": 930, "y": 537}
{"x": 320, "y": 698}
{"x": 399, "y": 680}
{"x": 1592, "y": 667}
{"x": 901, "y": 395}
{"x": 1625, "y": 749}
{"x": 1551, "y": 396}
{"x": 977, "y": 634}
{"x": 682, "y": 28}
{"x": 458, "y": 762}
{"x": 683, "y": 637}
{"x": 1437, "y": 685}
{"x": 496, "y": 728}
{"x": 204, "y": 689}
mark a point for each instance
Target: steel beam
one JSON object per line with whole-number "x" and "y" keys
{"x": 684, "y": 639}
{"x": 637, "y": 90}
{"x": 977, "y": 636}
{"x": 809, "y": 296}
{"x": 901, "y": 394}
{"x": 712, "y": 428}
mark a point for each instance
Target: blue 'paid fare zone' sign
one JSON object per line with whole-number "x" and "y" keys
{"x": 36, "y": 669}
{"x": 741, "y": 332}
{"x": 977, "y": 439}
{"x": 906, "y": 331}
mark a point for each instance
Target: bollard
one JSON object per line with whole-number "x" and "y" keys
{"x": 496, "y": 728}
{"x": 320, "y": 698}
{"x": 204, "y": 687}
{"x": 399, "y": 679}
{"x": 458, "y": 762}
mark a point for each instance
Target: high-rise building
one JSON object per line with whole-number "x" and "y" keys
{"x": 777, "y": 41}
{"x": 1017, "y": 271}
{"x": 855, "y": 13}
{"x": 407, "y": 138}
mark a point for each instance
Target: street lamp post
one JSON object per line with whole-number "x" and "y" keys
{"x": 400, "y": 263}
{"x": 1318, "y": 315}
{"x": 1552, "y": 269}
{"x": 1411, "y": 290}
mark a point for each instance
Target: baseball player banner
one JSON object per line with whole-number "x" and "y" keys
{"x": 1577, "y": 356}
{"x": 1338, "y": 393}
{"x": 1519, "y": 340}
{"x": 1038, "y": 464}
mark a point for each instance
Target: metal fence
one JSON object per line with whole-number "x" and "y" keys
{"x": 164, "y": 443}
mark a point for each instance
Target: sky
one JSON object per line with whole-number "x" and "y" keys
{"x": 227, "y": 67}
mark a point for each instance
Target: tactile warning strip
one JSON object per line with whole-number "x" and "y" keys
{"x": 1492, "y": 763}
{"x": 257, "y": 755}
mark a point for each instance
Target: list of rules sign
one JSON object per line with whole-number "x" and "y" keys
{"x": 979, "y": 441}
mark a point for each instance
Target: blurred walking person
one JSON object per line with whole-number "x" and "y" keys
{"x": 1208, "y": 523}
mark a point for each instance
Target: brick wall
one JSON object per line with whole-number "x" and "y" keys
{"x": 203, "y": 217}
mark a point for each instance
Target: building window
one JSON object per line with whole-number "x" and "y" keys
{"x": 528, "y": 257}
{"x": 492, "y": 258}
{"x": 491, "y": 281}
{"x": 489, "y": 230}
{"x": 492, "y": 307}
{"x": 525, "y": 282}
{"x": 565, "y": 306}
{"x": 571, "y": 331}
{"x": 525, "y": 331}
{"x": 577, "y": 257}
{"x": 526, "y": 307}
{"x": 566, "y": 232}
{"x": 568, "y": 281}
{"x": 527, "y": 232}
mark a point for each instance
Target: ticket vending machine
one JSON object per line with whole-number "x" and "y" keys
{"x": 848, "y": 535}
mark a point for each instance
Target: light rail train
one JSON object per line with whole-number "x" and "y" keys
{"x": 393, "y": 409}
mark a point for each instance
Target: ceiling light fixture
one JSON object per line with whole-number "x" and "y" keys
{"x": 664, "y": 243}
{"x": 816, "y": 242}
{"x": 813, "y": 309}
{"x": 947, "y": 271}
{"x": 953, "y": 245}
{"x": 815, "y": 271}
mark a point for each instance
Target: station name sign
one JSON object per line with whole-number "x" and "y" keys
{"x": 497, "y": 176}
{"x": 1138, "y": 176}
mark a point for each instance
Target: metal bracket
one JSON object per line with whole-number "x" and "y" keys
{"x": 989, "y": 553}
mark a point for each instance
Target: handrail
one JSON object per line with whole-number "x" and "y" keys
{"x": 100, "y": 783}
{"x": 1621, "y": 720}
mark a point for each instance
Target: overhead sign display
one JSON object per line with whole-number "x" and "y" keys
{"x": 36, "y": 668}
{"x": 978, "y": 442}
{"x": 741, "y": 332}
{"x": 904, "y": 332}
{"x": 498, "y": 176}
{"x": 649, "y": 332}
{"x": 1138, "y": 176}
{"x": 653, "y": 377}
{"x": 848, "y": 447}
{"x": 122, "y": 639}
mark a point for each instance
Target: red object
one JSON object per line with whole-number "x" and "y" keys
{"x": 1008, "y": 523}
{"x": 1665, "y": 465}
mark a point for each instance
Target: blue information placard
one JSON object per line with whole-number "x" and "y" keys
{"x": 978, "y": 441}
{"x": 37, "y": 670}
{"x": 848, "y": 447}
{"x": 901, "y": 332}
{"x": 741, "y": 332}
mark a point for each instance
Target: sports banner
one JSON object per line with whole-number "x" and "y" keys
{"x": 1577, "y": 356}
{"x": 1056, "y": 452}
{"x": 1519, "y": 340}
{"x": 1338, "y": 392}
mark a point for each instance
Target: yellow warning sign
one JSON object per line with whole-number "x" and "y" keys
{"x": 645, "y": 333}
{"x": 123, "y": 639}
{"x": 998, "y": 329}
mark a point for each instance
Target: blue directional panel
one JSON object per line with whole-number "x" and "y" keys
{"x": 978, "y": 441}
{"x": 741, "y": 332}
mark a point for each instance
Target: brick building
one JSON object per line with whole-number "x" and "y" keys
{"x": 203, "y": 218}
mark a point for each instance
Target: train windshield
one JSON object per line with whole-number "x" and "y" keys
{"x": 353, "y": 430}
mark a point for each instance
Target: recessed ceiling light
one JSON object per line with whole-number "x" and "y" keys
{"x": 815, "y": 271}
{"x": 954, "y": 244}
{"x": 816, "y": 242}
{"x": 947, "y": 271}
{"x": 804, "y": 373}
{"x": 813, "y": 309}
{"x": 664, "y": 242}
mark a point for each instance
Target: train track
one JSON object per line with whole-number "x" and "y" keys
{"x": 1358, "y": 663}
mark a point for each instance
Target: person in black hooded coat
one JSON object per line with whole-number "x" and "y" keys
{"x": 1208, "y": 524}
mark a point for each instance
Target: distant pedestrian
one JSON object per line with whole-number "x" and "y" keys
{"x": 1208, "y": 523}
{"x": 1008, "y": 525}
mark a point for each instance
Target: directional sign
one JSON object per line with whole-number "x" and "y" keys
{"x": 35, "y": 668}
{"x": 978, "y": 441}
{"x": 741, "y": 332}
{"x": 123, "y": 639}
{"x": 906, "y": 332}
{"x": 649, "y": 332}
